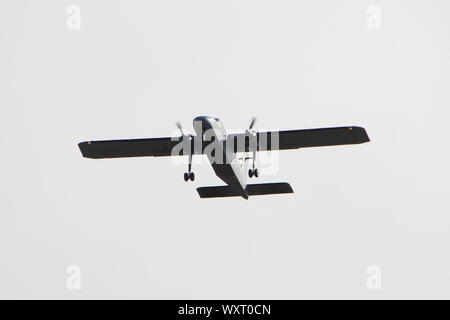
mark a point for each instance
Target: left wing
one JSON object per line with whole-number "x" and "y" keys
{"x": 153, "y": 147}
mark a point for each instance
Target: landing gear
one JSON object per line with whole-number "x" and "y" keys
{"x": 253, "y": 172}
{"x": 189, "y": 175}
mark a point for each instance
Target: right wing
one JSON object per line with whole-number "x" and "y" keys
{"x": 294, "y": 139}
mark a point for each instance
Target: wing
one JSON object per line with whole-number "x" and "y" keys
{"x": 294, "y": 139}
{"x": 154, "y": 147}
{"x": 266, "y": 141}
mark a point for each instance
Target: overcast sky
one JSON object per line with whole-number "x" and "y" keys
{"x": 135, "y": 229}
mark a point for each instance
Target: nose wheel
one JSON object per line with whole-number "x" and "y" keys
{"x": 253, "y": 173}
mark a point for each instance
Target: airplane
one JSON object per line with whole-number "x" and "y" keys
{"x": 222, "y": 150}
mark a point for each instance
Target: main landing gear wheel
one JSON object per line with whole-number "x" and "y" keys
{"x": 253, "y": 172}
{"x": 189, "y": 176}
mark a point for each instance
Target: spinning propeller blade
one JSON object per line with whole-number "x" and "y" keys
{"x": 180, "y": 127}
{"x": 252, "y": 123}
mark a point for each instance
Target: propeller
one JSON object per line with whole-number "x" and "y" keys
{"x": 180, "y": 127}
{"x": 250, "y": 130}
{"x": 252, "y": 123}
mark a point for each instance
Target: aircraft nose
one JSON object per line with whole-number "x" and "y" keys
{"x": 204, "y": 120}
{"x": 201, "y": 118}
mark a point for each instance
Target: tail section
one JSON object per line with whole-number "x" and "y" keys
{"x": 252, "y": 190}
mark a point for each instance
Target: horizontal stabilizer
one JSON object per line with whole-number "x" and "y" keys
{"x": 252, "y": 190}
{"x": 268, "y": 188}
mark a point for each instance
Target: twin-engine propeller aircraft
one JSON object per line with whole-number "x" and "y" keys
{"x": 222, "y": 150}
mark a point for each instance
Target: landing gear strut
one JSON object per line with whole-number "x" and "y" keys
{"x": 189, "y": 175}
{"x": 251, "y": 134}
{"x": 253, "y": 172}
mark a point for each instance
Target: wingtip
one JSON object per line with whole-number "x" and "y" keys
{"x": 360, "y": 134}
{"x": 83, "y": 146}
{"x": 366, "y": 136}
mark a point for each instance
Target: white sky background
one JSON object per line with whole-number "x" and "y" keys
{"x": 137, "y": 230}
